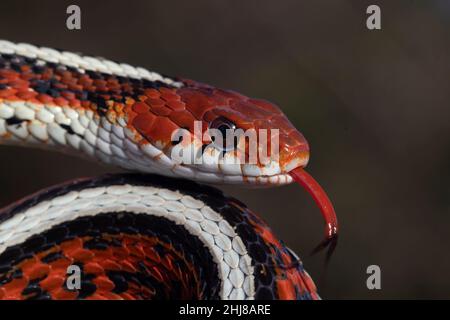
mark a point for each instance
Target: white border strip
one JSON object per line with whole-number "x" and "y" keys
{"x": 226, "y": 247}
{"x": 83, "y": 63}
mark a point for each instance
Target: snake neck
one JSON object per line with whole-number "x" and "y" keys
{"x": 78, "y": 105}
{"x": 139, "y": 237}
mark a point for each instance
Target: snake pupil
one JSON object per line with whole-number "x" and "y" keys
{"x": 223, "y": 129}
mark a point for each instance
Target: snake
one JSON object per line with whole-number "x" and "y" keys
{"x": 158, "y": 230}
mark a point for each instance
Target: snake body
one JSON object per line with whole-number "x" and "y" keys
{"x": 134, "y": 236}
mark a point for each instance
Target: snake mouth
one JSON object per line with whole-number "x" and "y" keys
{"x": 326, "y": 207}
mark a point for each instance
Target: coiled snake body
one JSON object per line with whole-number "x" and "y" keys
{"x": 137, "y": 236}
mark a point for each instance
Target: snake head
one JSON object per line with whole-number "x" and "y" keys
{"x": 219, "y": 136}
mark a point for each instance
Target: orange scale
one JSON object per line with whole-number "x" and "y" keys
{"x": 148, "y": 292}
{"x": 177, "y": 271}
{"x": 152, "y": 254}
{"x": 182, "y": 119}
{"x": 117, "y": 97}
{"x": 75, "y": 103}
{"x": 133, "y": 287}
{"x": 103, "y": 254}
{"x": 63, "y": 294}
{"x": 111, "y": 296}
{"x": 64, "y": 73}
{"x": 60, "y": 86}
{"x": 299, "y": 282}
{"x": 102, "y": 88}
{"x": 47, "y": 76}
{"x": 94, "y": 268}
{"x": 33, "y": 100}
{"x": 45, "y": 99}
{"x": 112, "y": 81}
{"x": 161, "y": 110}
{"x": 162, "y": 130}
{"x": 196, "y": 99}
{"x": 167, "y": 262}
{"x": 39, "y": 271}
{"x": 9, "y": 92}
{"x": 121, "y": 253}
{"x": 71, "y": 245}
{"x": 286, "y": 290}
{"x": 25, "y": 68}
{"x": 140, "y": 98}
{"x": 199, "y": 109}
{"x": 68, "y": 95}
{"x": 29, "y": 263}
{"x": 27, "y": 95}
{"x": 27, "y": 76}
{"x": 285, "y": 257}
{"x": 137, "y": 250}
{"x": 19, "y": 84}
{"x": 90, "y": 88}
{"x": 144, "y": 122}
{"x": 176, "y": 105}
{"x": 85, "y": 80}
{"x": 170, "y": 96}
{"x": 152, "y": 93}
{"x": 52, "y": 282}
{"x": 113, "y": 87}
{"x": 86, "y": 104}
{"x": 309, "y": 283}
{"x": 166, "y": 90}
{"x": 61, "y": 101}
{"x": 154, "y": 102}
{"x": 9, "y": 74}
{"x": 231, "y": 94}
{"x": 117, "y": 107}
{"x": 140, "y": 107}
{"x": 13, "y": 289}
{"x": 68, "y": 81}
{"x": 82, "y": 255}
{"x": 157, "y": 274}
{"x": 100, "y": 83}
{"x": 103, "y": 283}
{"x": 109, "y": 265}
{"x": 128, "y": 266}
{"x": 75, "y": 87}
{"x": 127, "y": 296}
{"x": 127, "y": 87}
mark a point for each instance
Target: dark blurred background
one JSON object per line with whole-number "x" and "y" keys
{"x": 374, "y": 106}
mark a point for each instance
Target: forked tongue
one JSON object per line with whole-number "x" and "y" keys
{"x": 324, "y": 203}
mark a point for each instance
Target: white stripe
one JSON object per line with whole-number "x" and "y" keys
{"x": 83, "y": 63}
{"x": 234, "y": 265}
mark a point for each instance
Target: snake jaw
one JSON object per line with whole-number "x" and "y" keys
{"x": 326, "y": 208}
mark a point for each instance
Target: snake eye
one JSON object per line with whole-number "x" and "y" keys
{"x": 222, "y": 124}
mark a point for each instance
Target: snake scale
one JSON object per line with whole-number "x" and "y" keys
{"x": 157, "y": 233}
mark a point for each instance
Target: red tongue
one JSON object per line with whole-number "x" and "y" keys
{"x": 324, "y": 203}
